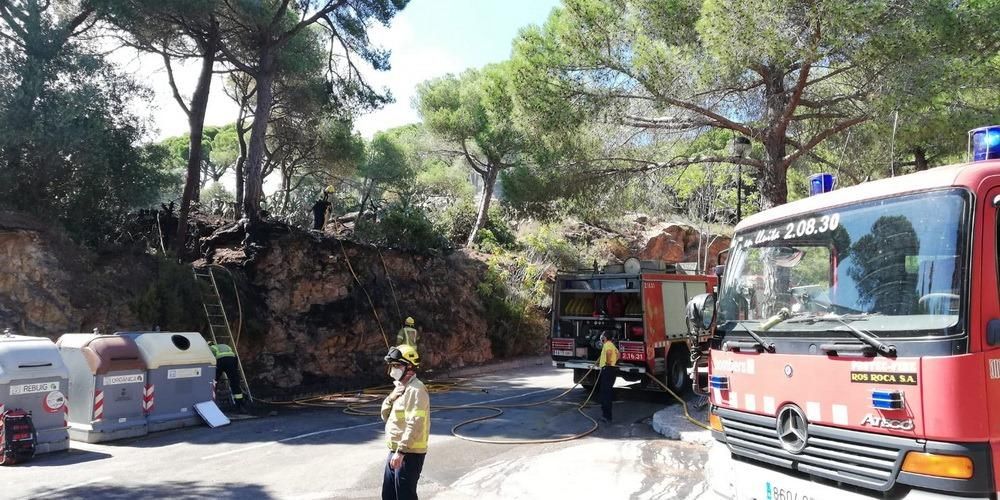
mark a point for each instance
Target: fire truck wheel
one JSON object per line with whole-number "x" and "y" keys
{"x": 677, "y": 378}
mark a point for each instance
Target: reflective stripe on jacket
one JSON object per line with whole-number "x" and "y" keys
{"x": 407, "y": 419}
{"x": 222, "y": 351}
{"x": 407, "y": 335}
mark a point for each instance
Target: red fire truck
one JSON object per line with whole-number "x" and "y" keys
{"x": 641, "y": 305}
{"x": 855, "y": 347}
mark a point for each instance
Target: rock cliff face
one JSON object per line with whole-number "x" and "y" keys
{"x": 49, "y": 286}
{"x": 309, "y": 303}
{"x": 638, "y": 236}
{"x": 321, "y": 329}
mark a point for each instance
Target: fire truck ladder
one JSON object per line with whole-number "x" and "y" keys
{"x": 218, "y": 327}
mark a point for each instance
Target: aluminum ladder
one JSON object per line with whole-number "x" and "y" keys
{"x": 218, "y": 325}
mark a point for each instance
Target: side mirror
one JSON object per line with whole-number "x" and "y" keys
{"x": 701, "y": 311}
{"x": 720, "y": 270}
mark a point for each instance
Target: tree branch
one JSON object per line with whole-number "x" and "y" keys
{"x": 820, "y": 137}
{"x": 173, "y": 84}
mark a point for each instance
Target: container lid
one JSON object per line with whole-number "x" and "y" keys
{"x": 105, "y": 353}
{"x": 23, "y": 357}
{"x": 171, "y": 348}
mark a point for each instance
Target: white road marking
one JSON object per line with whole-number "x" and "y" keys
{"x": 73, "y": 486}
{"x": 337, "y": 429}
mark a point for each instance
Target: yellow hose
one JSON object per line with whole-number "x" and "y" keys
{"x": 683, "y": 404}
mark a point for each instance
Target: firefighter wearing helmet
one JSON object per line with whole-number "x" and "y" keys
{"x": 406, "y": 413}
{"x": 408, "y": 334}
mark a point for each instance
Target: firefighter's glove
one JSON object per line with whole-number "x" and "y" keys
{"x": 396, "y": 393}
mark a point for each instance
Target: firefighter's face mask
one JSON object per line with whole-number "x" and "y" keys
{"x": 396, "y": 372}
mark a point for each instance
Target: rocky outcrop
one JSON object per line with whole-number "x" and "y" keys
{"x": 673, "y": 243}
{"x": 49, "y": 285}
{"x": 319, "y": 322}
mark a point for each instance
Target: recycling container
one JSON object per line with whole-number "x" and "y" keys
{"x": 107, "y": 383}
{"x": 180, "y": 372}
{"x": 34, "y": 378}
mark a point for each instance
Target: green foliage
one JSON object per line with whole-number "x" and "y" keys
{"x": 172, "y": 301}
{"x": 69, "y": 142}
{"x": 547, "y": 244}
{"x": 457, "y": 221}
{"x": 217, "y": 199}
{"x": 616, "y": 89}
{"x": 514, "y": 325}
{"x": 405, "y": 228}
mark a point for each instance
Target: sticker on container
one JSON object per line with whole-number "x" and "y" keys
{"x": 183, "y": 373}
{"x": 122, "y": 420}
{"x": 16, "y": 390}
{"x": 54, "y": 402}
{"x": 124, "y": 379}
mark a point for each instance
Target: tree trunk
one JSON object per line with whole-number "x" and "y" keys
{"x": 774, "y": 178}
{"x": 489, "y": 182}
{"x": 773, "y": 181}
{"x": 920, "y": 159}
{"x": 255, "y": 154}
{"x": 196, "y": 123}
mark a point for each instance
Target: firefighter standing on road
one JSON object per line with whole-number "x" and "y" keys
{"x": 407, "y": 334}
{"x": 406, "y": 412}
{"x": 225, "y": 362}
{"x": 608, "y": 363}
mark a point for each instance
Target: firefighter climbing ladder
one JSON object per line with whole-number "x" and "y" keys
{"x": 218, "y": 322}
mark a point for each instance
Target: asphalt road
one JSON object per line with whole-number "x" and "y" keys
{"x": 320, "y": 453}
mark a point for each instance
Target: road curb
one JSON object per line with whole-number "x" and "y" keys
{"x": 472, "y": 371}
{"x": 670, "y": 422}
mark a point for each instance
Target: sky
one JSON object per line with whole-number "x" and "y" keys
{"x": 430, "y": 38}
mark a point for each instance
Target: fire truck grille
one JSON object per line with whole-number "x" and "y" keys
{"x": 861, "y": 459}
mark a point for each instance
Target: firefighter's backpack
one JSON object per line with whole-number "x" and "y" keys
{"x": 17, "y": 437}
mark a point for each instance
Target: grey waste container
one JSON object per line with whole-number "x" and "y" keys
{"x": 180, "y": 372}
{"x": 34, "y": 378}
{"x": 107, "y": 383}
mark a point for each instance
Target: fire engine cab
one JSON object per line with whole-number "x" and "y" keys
{"x": 854, "y": 347}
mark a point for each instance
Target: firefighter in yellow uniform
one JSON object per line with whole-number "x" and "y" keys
{"x": 407, "y": 334}
{"x": 406, "y": 413}
{"x": 225, "y": 362}
{"x": 608, "y": 363}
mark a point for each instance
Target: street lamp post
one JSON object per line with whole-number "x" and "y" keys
{"x": 740, "y": 148}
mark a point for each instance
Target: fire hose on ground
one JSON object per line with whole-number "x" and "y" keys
{"x": 368, "y": 401}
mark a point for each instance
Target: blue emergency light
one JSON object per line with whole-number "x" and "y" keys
{"x": 718, "y": 382}
{"x": 821, "y": 183}
{"x": 887, "y": 400}
{"x": 984, "y": 143}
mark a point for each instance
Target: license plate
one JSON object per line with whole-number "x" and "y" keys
{"x": 561, "y": 352}
{"x": 774, "y": 491}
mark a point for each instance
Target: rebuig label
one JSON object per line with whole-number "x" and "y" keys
{"x": 124, "y": 379}
{"x": 183, "y": 373}
{"x": 16, "y": 390}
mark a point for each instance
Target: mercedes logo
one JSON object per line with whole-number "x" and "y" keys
{"x": 792, "y": 430}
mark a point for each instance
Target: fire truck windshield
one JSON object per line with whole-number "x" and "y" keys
{"x": 898, "y": 266}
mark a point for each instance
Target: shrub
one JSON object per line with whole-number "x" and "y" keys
{"x": 405, "y": 228}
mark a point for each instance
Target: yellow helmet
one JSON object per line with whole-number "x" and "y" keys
{"x": 410, "y": 322}
{"x": 329, "y": 189}
{"x": 405, "y": 354}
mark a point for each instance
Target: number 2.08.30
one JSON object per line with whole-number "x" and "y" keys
{"x": 811, "y": 226}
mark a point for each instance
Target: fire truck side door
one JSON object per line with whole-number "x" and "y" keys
{"x": 985, "y": 326}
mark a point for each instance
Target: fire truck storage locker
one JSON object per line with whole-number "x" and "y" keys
{"x": 33, "y": 378}
{"x": 107, "y": 384}
{"x": 180, "y": 373}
